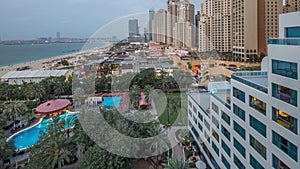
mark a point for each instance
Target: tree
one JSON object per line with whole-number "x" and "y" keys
{"x": 175, "y": 163}
{"x": 59, "y": 88}
{"x": 148, "y": 89}
{"x": 6, "y": 150}
{"x": 135, "y": 95}
{"x": 14, "y": 109}
{"x": 53, "y": 152}
{"x": 96, "y": 157}
{"x": 35, "y": 91}
{"x": 54, "y": 148}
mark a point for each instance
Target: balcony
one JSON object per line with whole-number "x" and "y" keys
{"x": 284, "y": 41}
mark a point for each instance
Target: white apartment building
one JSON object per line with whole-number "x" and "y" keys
{"x": 253, "y": 123}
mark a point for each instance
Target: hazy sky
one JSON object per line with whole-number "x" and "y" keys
{"x": 30, "y": 19}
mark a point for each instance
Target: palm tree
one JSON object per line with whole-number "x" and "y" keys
{"x": 14, "y": 109}
{"x": 54, "y": 149}
{"x": 35, "y": 91}
{"x": 53, "y": 152}
{"x": 158, "y": 145}
{"x": 6, "y": 150}
{"x": 135, "y": 95}
{"x": 175, "y": 163}
{"x": 59, "y": 88}
{"x": 96, "y": 157}
{"x": 148, "y": 89}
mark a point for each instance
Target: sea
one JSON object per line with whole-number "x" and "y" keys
{"x": 15, "y": 54}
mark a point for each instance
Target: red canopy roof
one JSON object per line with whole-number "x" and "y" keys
{"x": 53, "y": 106}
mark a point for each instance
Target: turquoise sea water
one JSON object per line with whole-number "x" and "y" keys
{"x": 112, "y": 101}
{"x": 14, "y": 54}
{"x": 30, "y": 136}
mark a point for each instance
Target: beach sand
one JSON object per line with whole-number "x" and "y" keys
{"x": 39, "y": 64}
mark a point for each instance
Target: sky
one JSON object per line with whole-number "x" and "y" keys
{"x": 31, "y": 19}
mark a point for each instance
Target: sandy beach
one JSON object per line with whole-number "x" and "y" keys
{"x": 40, "y": 64}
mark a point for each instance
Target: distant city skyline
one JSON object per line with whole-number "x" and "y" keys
{"x": 32, "y": 19}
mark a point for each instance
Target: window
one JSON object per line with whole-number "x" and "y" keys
{"x": 254, "y": 163}
{"x": 238, "y": 163}
{"x": 286, "y": 69}
{"x": 239, "y": 94}
{"x": 225, "y": 132}
{"x": 257, "y": 104}
{"x": 258, "y": 126}
{"x": 195, "y": 132}
{"x": 239, "y": 129}
{"x": 285, "y": 94}
{"x": 225, "y": 162}
{"x": 216, "y": 135}
{"x": 285, "y": 120}
{"x": 226, "y": 118}
{"x": 215, "y": 108}
{"x": 283, "y": 144}
{"x": 190, "y": 113}
{"x": 206, "y": 124}
{"x": 238, "y": 146}
{"x": 292, "y": 32}
{"x": 195, "y": 119}
{"x": 215, "y": 121}
{"x": 239, "y": 112}
{"x": 200, "y": 116}
{"x": 216, "y": 149}
{"x": 226, "y": 148}
{"x": 261, "y": 149}
{"x": 194, "y": 109}
{"x": 190, "y": 103}
{"x": 207, "y": 136}
{"x": 200, "y": 127}
{"x": 278, "y": 164}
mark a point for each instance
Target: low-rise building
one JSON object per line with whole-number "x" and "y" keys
{"x": 28, "y": 76}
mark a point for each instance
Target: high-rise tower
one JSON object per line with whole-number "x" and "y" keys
{"x": 150, "y": 24}
{"x": 133, "y": 27}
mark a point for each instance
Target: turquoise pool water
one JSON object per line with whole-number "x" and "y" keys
{"x": 30, "y": 136}
{"x": 109, "y": 101}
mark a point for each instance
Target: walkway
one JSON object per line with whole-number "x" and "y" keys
{"x": 177, "y": 149}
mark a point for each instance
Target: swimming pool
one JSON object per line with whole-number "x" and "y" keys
{"x": 30, "y": 136}
{"x": 109, "y": 101}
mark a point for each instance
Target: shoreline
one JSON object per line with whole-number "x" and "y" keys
{"x": 38, "y": 64}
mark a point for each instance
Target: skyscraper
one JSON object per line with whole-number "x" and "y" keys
{"x": 183, "y": 30}
{"x": 216, "y": 26}
{"x": 291, "y": 6}
{"x": 171, "y": 19}
{"x": 253, "y": 22}
{"x": 160, "y": 26}
{"x": 150, "y": 24}
{"x": 197, "y": 19}
{"x": 133, "y": 27}
{"x": 57, "y": 35}
{"x": 269, "y": 10}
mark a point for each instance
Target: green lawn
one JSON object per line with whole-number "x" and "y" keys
{"x": 177, "y": 112}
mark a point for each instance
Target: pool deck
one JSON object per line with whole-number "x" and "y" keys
{"x": 7, "y": 140}
{"x": 30, "y": 127}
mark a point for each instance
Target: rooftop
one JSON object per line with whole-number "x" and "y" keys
{"x": 256, "y": 80}
{"x": 201, "y": 98}
{"x": 34, "y": 74}
{"x": 53, "y": 106}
